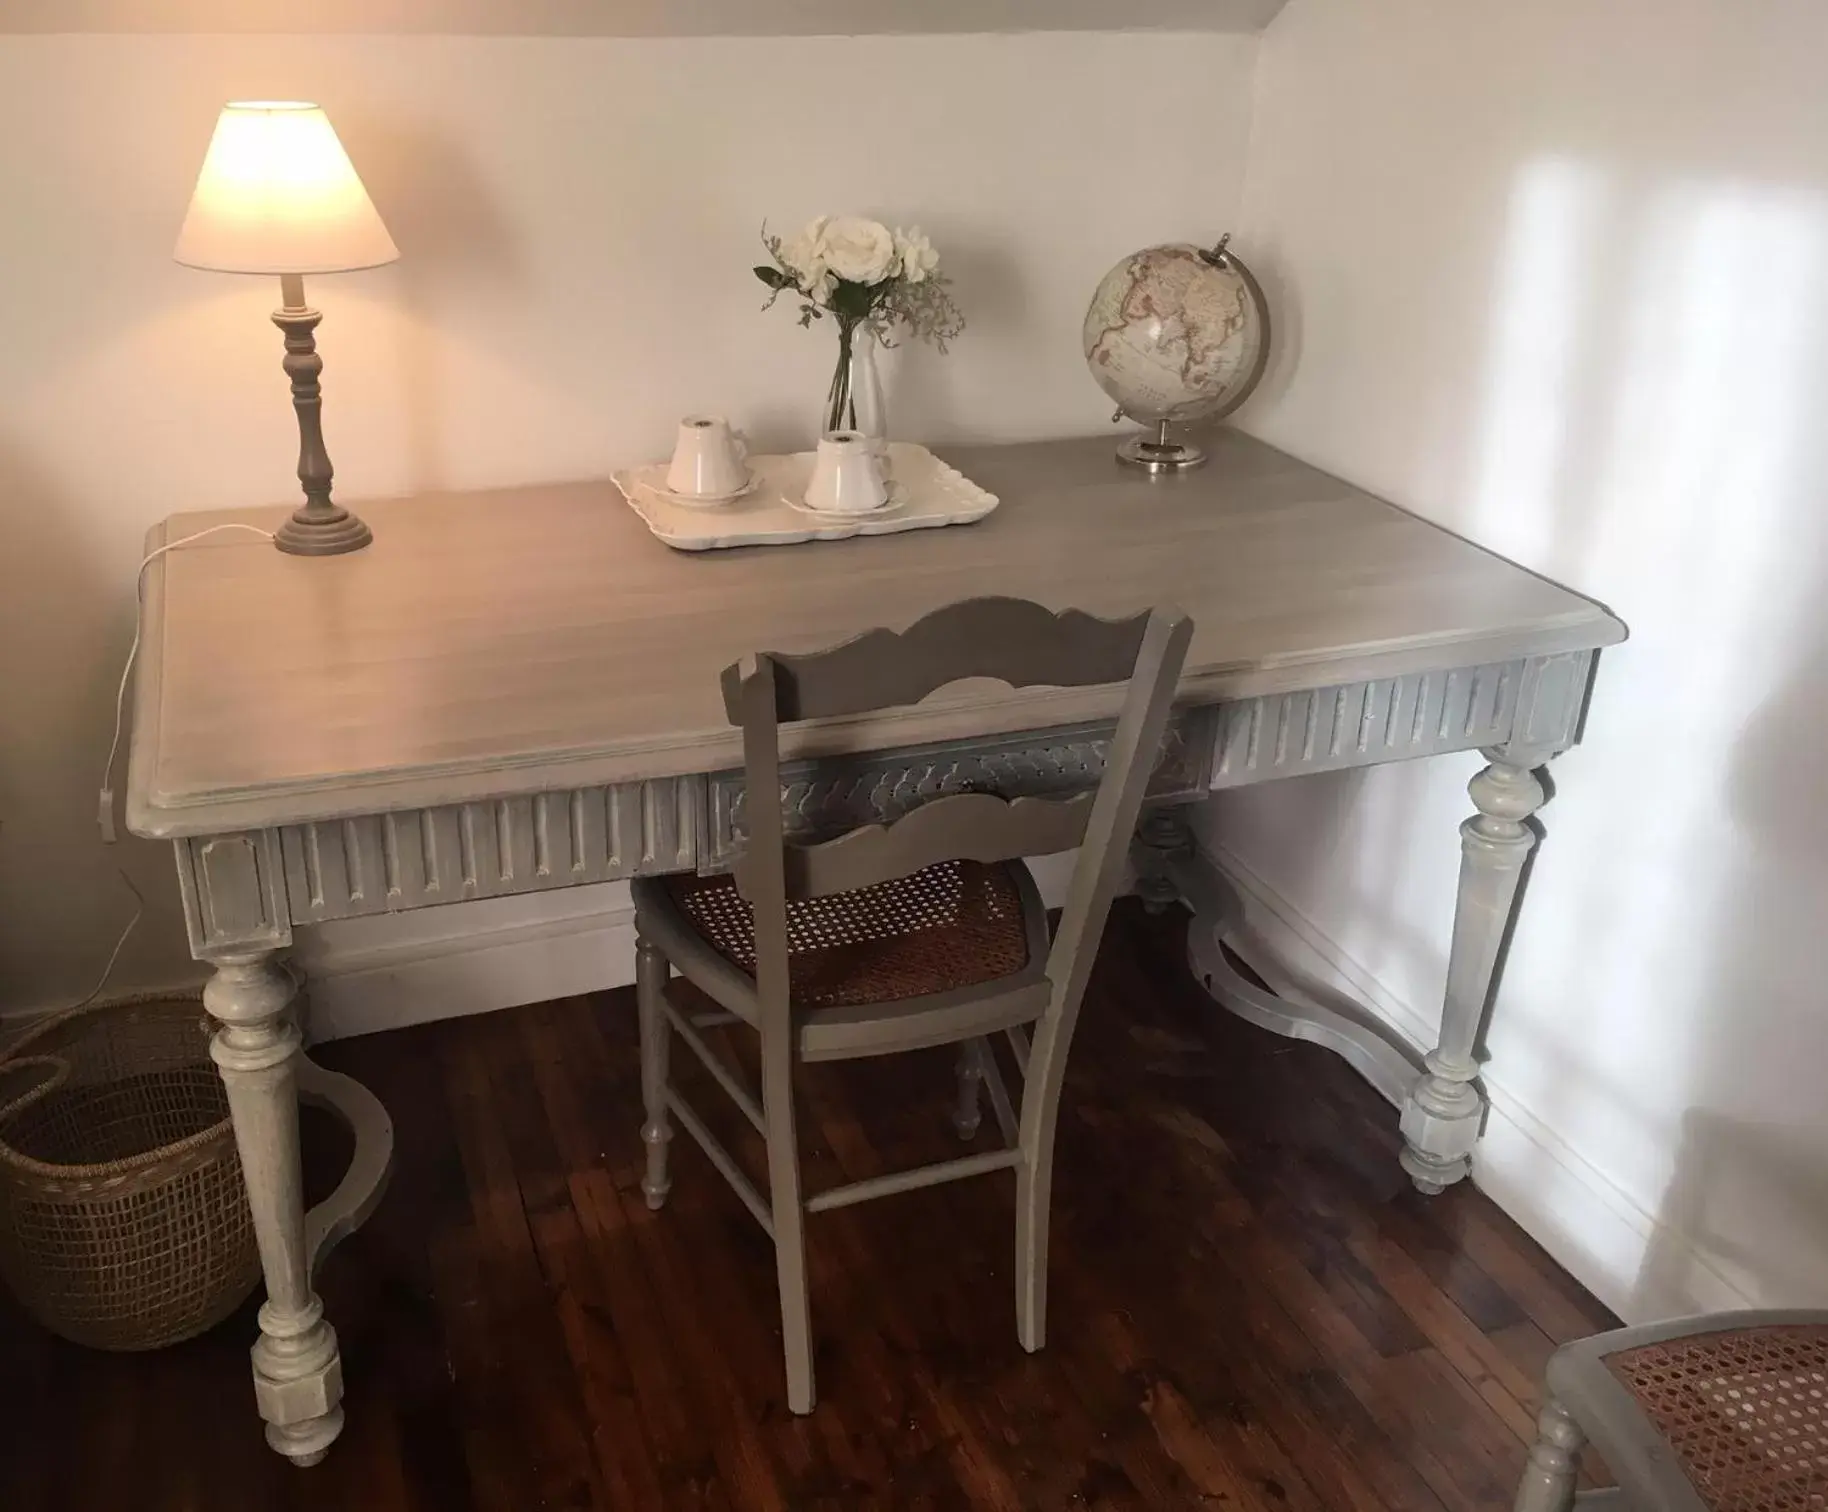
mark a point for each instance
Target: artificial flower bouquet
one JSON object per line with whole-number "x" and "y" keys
{"x": 868, "y": 278}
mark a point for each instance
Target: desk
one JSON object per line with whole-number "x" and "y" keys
{"x": 516, "y": 690}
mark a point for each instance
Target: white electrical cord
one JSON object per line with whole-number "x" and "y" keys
{"x": 139, "y": 912}
{"x": 105, "y": 808}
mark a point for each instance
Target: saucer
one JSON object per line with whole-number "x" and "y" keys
{"x": 707, "y": 501}
{"x": 897, "y": 496}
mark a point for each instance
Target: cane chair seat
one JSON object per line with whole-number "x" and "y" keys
{"x": 1723, "y": 1413}
{"x": 1743, "y": 1411}
{"x": 951, "y": 925}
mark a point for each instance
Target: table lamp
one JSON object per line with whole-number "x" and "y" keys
{"x": 278, "y": 194}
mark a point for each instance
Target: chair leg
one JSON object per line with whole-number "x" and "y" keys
{"x": 651, "y": 971}
{"x": 789, "y": 1215}
{"x": 966, "y": 1115}
{"x": 1554, "y": 1462}
{"x": 1034, "y": 1181}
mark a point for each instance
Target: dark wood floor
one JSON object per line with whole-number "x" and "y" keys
{"x": 1250, "y": 1309}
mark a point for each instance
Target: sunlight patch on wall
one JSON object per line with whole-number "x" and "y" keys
{"x": 1698, "y": 507}
{"x": 1541, "y": 322}
{"x": 1701, "y": 514}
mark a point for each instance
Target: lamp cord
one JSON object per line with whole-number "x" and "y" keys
{"x": 105, "y": 805}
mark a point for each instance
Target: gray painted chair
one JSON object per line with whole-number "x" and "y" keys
{"x": 921, "y": 932}
{"x": 1726, "y": 1413}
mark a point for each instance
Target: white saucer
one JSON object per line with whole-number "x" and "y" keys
{"x": 897, "y": 497}
{"x": 707, "y": 501}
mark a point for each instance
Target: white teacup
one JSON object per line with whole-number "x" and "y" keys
{"x": 709, "y": 461}
{"x": 848, "y": 475}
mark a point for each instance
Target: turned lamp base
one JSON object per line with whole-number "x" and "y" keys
{"x": 317, "y": 527}
{"x": 328, "y": 533}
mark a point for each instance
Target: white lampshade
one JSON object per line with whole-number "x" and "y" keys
{"x": 278, "y": 194}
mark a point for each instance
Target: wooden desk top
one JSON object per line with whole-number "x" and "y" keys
{"x": 541, "y": 631}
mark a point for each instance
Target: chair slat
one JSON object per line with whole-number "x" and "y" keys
{"x": 725, "y": 1076}
{"x": 725, "y": 1162}
{"x": 961, "y": 827}
{"x": 1015, "y": 641}
{"x": 912, "y": 1181}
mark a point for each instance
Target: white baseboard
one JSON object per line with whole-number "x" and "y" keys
{"x": 433, "y": 963}
{"x": 1578, "y": 1214}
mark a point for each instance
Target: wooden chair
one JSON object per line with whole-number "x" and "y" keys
{"x": 1726, "y": 1413}
{"x": 925, "y": 931}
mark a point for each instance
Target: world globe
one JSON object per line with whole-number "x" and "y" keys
{"x": 1176, "y": 334}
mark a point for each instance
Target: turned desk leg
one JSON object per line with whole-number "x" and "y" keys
{"x": 1444, "y": 1110}
{"x": 298, "y": 1374}
{"x": 1163, "y": 841}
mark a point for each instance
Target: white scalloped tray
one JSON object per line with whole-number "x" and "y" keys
{"x": 935, "y": 495}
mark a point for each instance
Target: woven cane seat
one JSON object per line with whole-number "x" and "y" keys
{"x": 955, "y": 924}
{"x": 1744, "y": 1412}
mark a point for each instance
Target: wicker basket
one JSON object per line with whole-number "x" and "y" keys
{"x": 123, "y": 1222}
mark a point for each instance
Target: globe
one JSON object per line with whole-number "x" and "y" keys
{"x": 1175, "y": 334}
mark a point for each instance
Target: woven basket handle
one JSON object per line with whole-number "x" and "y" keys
{"x": 12, "y": 1052}
{"x": 59, "y": 1069}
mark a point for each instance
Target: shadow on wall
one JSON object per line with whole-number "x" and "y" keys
{"x": 50, "y": 764}
{"x": 1743, "y": 1216}
{"x": 1748, "y": 1202}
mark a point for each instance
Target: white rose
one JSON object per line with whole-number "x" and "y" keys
{"x": 915, "y": 253}
{"x": 857, "y": 250}
{"x": 805, "y": 254}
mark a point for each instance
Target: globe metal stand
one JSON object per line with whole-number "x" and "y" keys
{"x": 1157, "y": 454}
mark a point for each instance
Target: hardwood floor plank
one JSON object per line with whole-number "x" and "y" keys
{"x": 379, "y": 1284}
{"x": 1365, "y": 1373}
{"x": 595, "y": 1354}
{"x": 520, "y": 1114}
{"x": 1348, "y": 1458}
{"x": 1211, "y": 1382}
{"x": 1486, "y": 1304}
{"x": 1528, "y": 1349}
{"x": 1452, "y": 1420}
{"x": 849, "y": 1254}
{"x": 939, "y": 1356}
{"x": 500, "y": 1268}
{"x": 1481, "y": 1364}
{"x": 726, "y": 1396}
{"x": 1363, "y": 1440}
{"x": 865, "y": 1400}
{"x": 1546, "y": 1293}
{"x": 685, "y": 1462}
{"x": 489, "y": 1416}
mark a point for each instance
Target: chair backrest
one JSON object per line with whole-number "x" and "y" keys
{"x": 1012, "y": 640}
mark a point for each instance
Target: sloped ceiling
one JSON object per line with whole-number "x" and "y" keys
{"x": 634, "y": 18}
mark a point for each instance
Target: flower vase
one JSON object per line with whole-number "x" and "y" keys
{"x": 854, "y": 401}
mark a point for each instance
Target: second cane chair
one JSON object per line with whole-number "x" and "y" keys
{"x": 1722, "y": 1413}
{"x": 924, "y": 931}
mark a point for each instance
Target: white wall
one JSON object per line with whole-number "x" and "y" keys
{"x": 577, "y": 218}
{"x": 1556, "y": 276}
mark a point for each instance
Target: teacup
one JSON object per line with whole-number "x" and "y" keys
{"x": 709, "y": 461}
{"x": 848, "y": 475}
